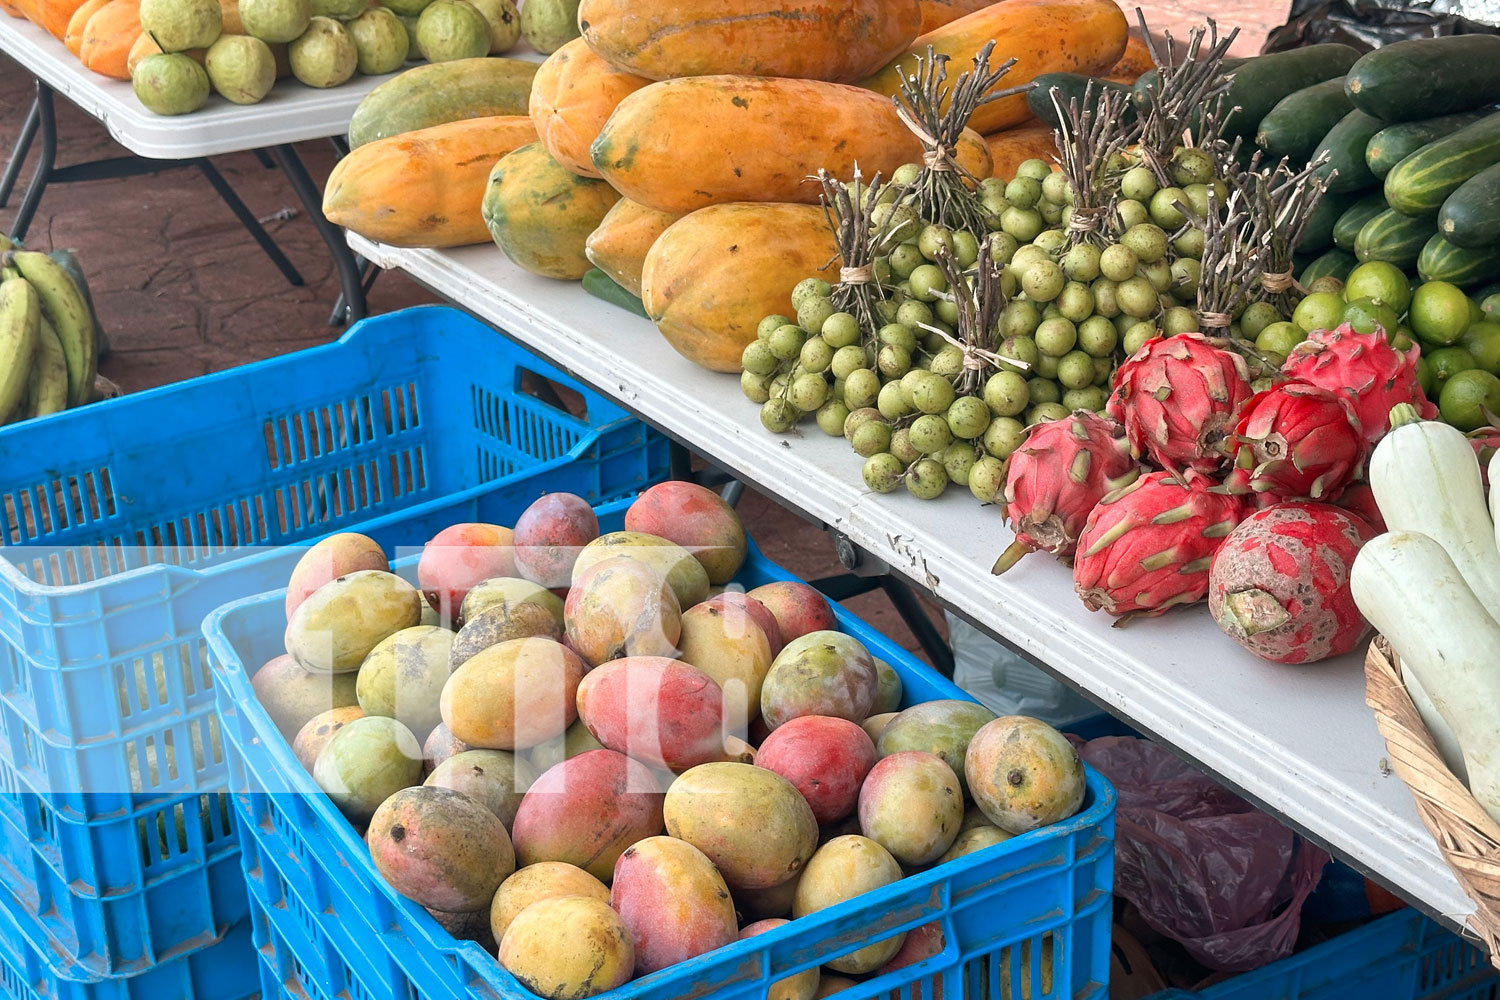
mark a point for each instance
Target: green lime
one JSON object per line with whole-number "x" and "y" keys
{"x": 1319, "y": 311}
{"x": 1439, "y": 312}
{"x": 1491, "y": 306}
{"x": 1367, "y": 315}
{"x": 1278, "y": 339}
{"x": 1425, "y": 379}
{"x": 1476, "y": 314}
{"x": 1379, "y": 280}
{"x": 1483, "y": 341}
{"x": 1447, "y": 362}
{"x": 1469, "y": 399}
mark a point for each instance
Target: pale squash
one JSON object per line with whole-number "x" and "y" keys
{"x": 620, "y": 244}
{"x": 713, "y": 275}
{"x": 837, "y": 40}
{"x": 108, "y": 37}
{"x": 1014, "y": 146}
{"x": 541, "y": 213}
{"x": 1045, "y": 36}
{"x": 572, "y": 96}
{"x": 936, "y": 13}
{"x": 423, "y": 188}
{"x": 73, "y": 37}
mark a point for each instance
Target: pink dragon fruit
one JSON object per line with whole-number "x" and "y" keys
{"x": 1177, "y": 398}
{"x": 1486, "y": 441}
{"x": 1055, "y": 478}
{"x": 1147, "y": 547}
{"x": 1279, "y": 585}
{"x": 1296, "y": 442}
{"x": 1359, "y": 500}
{"x": 1367, "y": 368}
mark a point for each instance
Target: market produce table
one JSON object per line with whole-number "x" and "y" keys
{"x": 1299, "y": 741}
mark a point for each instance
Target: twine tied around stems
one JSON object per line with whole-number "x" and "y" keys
{"x": 938, "y": 158}
{"x": 976, "y": 358}
{"x": 1276, "y": 282}
{"x": 861, "y": 275}
{"x": 1085, "y": 222}
{"x": 1216, "y": 321}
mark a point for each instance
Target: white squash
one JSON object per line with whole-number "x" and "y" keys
{"x": 1409, "y": 588}
{"x": 1494, "y": 474}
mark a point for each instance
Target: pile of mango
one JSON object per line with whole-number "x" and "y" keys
{"x": 594, "y": 755}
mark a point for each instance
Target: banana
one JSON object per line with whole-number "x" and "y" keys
{"x": 48, "y": 389}
{"x": 64, "y": 306}
{"x": 20, "y": 328}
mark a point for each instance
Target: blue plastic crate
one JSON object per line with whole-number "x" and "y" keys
{"x": 174, "y": 501}
{"x": 328, "y": 926}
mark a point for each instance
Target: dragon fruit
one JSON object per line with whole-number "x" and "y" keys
{"x": 1177, "y": 398}
{"x": 1296, "y": 442}
{"x": 1367, "y": 368}
{"x": 1486, "y": 441}
{"x": 1147, "y": 547}
{"x": 1279, "y": 585}
{"x": 1359, "y": 500}
{"x": 1055, "y": 478}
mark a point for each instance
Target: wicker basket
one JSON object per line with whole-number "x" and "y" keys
{"x": 1465, "y": 833}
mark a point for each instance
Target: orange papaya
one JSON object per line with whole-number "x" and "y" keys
{"x": 108, "y": 37}
{"x": 541, "y": 213}
{"x": 572, "y": 96}
{"x": 624, "y": 237}
{"x": 936, "y": 13}
{"x": 1014, "y": 146}
{"x": 73, "y": 37}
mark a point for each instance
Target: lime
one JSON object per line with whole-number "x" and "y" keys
{"x": 1382, "y": 281}
{"x": 1319, "y": 311}
{"x": 1424, "y": 378}
{"x": 1491, "y": 306}
{"x": 1482, "y": 340}
{"x": 1476, "y": 314}
{"x": 1439, "y": 312}
{"x": 1278, "y": 339}
{"x": 1447, "y": 362}
{"x": 1470, "y": 399}
{"x": 1367, "y": 315}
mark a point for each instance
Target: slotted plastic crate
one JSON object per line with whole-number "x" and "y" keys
{"x": 327, "y": 926}
{"x": 123, "y": 524}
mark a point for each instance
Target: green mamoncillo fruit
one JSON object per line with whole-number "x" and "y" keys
{"x": 170, "y": 83}
{"x": 241, "y": 68}
{"x": 548, "y": 25}
{"x": 324, "y": 55}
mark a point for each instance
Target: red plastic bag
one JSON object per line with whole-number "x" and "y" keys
{"x": 1202, "y": 865}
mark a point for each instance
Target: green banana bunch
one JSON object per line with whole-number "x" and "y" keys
{"x": 47, "y": 392}
{"x": 65, "y": 308}
{"x": 20, "y": 329}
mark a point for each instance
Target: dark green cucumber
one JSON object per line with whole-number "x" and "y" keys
{"x": 1424, "y": 77}
{"x": 1346, "y": 229}
{"x": 1471, "y": 215}
{"x": 1337, "y": 263}
{"x": 1258, "y": 85}
{"x": 602, "y": 286}
{"x": 1442, "y": 261}
{"x": 1299, "y": 121}
{"x": 1344, "y": 145}
{"x": 1395, "y": 143}
{"x": 1149, "y": 79}
{"x": 1070, "y": 87}
{"x": 1318, "y": 236}
{"x": 1394, "y": 238}
{"x": 1419, "y": 184}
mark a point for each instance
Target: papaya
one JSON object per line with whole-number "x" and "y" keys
{"x": 1133, "y": 64}
{"x": 679, "y": 145}
{"x": 1045, "y": 36}
{"x": 108, "y": 37}
{"x": 572, "y": 96}
{"x": 53, "y": 16}
{"x": 541, "y": 214}
{"x": 145, "y": 46}
{"x": 423, "y": 188}
{"x": 437, "y": 93}
{"x": 1010, "y": 148}
{"x": 836, "y": 40}
{"x": 713, "y": 275}
{"x": 73, "y": 36}
{"x": 936, "y": 13}
{"x": 624, "y": 237}
{"x": 12, "y": 9}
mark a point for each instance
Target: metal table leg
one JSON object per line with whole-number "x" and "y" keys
{"x": 333, "y": 237}
{"x": 250, "y": 222}
{"x": 18, "y": 154}
{"x": 47, "y": 126}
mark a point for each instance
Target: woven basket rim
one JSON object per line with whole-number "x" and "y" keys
{"x": 1467, "y": 837}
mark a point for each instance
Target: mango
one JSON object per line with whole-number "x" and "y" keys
{"x": 1024, "y": 774}
{"x": 473, "y": 926}
{"x": 404, "y": 675}
{"x": 820, "y": 673}
{"x": 697, "y": 519}
{"x": 826, "y": 759}
{"x": 367, "y": 762}
{"x": 543, "y": 880}
{"x": 459, "y": 558}
{"x": 501, "y": 623}
{"x": 496, "y": 779}
{"x": 834, "y": 985}
{"x": 801, "y": 986}
{"x": 921, "y": 944}
{"x": 975, "y": 838}
{"x": 291, "y": 696}
{"x": 762, "y": 904}
{"x": 439, "y": 746}
{"x": 912, "y": 806}
{"x": 662, "y": 712}
{"x": 843, "y": 868}
{"x": 673, "y": 902}
{"x": 549, "y": 535}
{"x": 724, "y": 643}
{"x": 943, "y": 727}
{"x": 314, "y": 736}
{"x": 672, "y": 562}
{"x": 507, "y": 592}
{"x": 568, "y": 948}
{"x": 736, "y": 602}
{"x": 621, "y": 607}
{"x": 335, "y": 628}
{"x": 888, "y": 689}
{"x": 752, "y": 823}
{"x": 875, "y": 725}
{"x": 570, "y": 744}
{"x": 440, "y": 848}
{"x": 586, "y": 811}
{"x": 513, "y": 695}
{"x": 333, "y": 557}
{"x": 798, "y": 608}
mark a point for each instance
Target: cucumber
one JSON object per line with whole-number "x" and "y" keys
{"x": 1395, "y": 238}
{"x": 1148, "y": 81}
{"x": 1070, "y": 87}
{"x": 1258, "y": 85}
{"x": 1419, "y": 184}
{"x": 1471, "y": 215}
{"x": 602, "y": 286}
{"x": 1337, "y": 263}
{"x": 1395, "y": 143}
{"x": 1346, "y": 229}
{"x": 1299, "y": 121}
{"x": 1424, "y": 77}
{"x": 1442, "y": 261}
{"x": 1346, "y": 169}
{"x": 1318, "y": 236}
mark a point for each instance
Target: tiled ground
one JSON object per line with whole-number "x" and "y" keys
{"x": 184, "y": 291}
